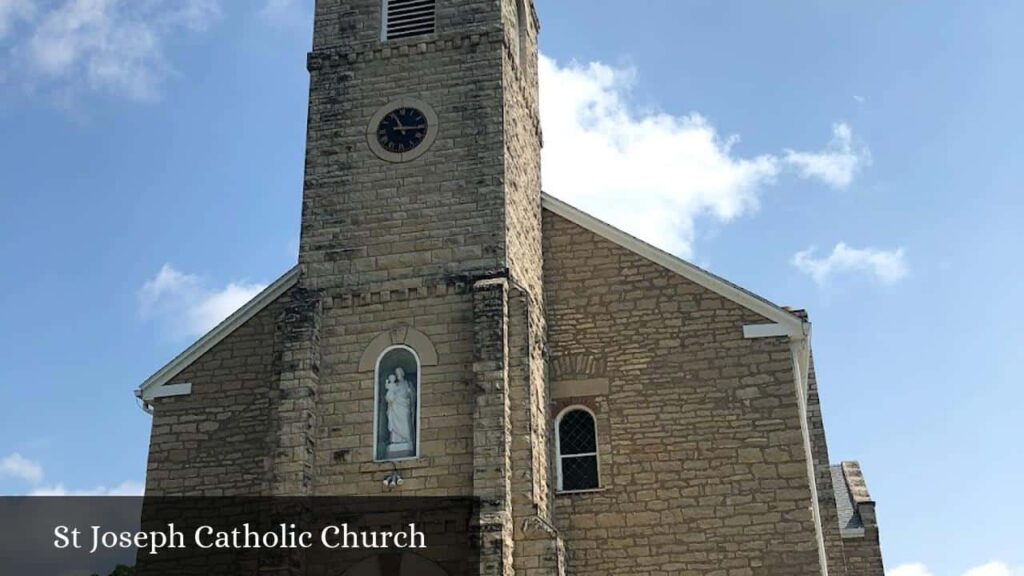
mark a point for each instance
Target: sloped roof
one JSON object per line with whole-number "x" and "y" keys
{"x": 790, "y": 323}
{"x": 850, "y": 523}
{"x": 850, "y": 490}
{"x": 220, "y": 332}
{"x": 695, "y": 274}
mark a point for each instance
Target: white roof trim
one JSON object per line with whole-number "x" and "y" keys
{"x": 795, "y": 327}
{"x": 149, "y": 389}
{"x": 172, "y": 390}
{"x": 764, "y": 331}
{"x": 792, "y": 325}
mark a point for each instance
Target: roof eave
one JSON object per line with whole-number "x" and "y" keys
{"x": 147, "y": 390}
{"x": 795, "y": 327}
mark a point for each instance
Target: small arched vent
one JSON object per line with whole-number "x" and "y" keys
{"x": 405, "y": 18}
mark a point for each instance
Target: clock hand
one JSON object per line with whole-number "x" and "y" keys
{"x": 407, "y": 128}
{"x": 397, "y": 121}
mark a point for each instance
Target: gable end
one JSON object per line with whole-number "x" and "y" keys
{"x": 150, "y": 388}
{"x": 788, "y": 324}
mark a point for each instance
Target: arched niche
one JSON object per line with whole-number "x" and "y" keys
{"x": 396, "y": 402}
{"x": 399, "y": 336}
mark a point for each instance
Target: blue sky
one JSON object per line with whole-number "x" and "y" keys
{"x": 858, "y": 159}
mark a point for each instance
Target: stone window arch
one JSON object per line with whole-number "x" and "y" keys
{"x": 396, "y": 401}
{"x": 576, "y": 450}
{"x": 398, "y": 335}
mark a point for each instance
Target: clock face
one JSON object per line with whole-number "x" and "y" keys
{"x": 402, "y": 130}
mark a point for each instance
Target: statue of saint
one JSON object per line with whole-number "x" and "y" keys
{"x": 399, "y": 397}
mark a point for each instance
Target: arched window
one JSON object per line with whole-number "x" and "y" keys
{"x": 576, "y": 444}
{"x": 397, "y": 404}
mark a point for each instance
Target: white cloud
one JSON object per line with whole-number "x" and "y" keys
{"x": 909, "y": 570}
{"x": 187, "y": 306}
{"x": 995, "y": 569}
{"x": 990, "y": 569}
{"x": 655, "y": 174}
{"x": 11, "y": 11}
{"x": 278, "y": 10}
{"x": 17, "y": 466}
{"x": 886, "y": 266}
{"x": 114, "y": 46}
{"x": 124, "y": 489}
{"x": 273, "y": 8}
{"x": 837, "y": 164}
{"x": 195, "y": 15}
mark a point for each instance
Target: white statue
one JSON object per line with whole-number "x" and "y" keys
{"x": 399, "y": 398}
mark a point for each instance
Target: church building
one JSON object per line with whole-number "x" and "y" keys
{"x": 451, "y": 330}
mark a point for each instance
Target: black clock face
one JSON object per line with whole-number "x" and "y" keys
{"x": 402, "y": 130}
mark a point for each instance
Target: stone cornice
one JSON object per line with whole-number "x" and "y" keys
{"x": 369, "y": 51}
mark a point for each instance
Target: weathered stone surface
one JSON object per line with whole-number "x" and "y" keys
{"x": 683, "y": 446}
{"x": 703, "y": 464}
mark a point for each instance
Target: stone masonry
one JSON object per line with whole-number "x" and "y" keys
{"x": 515, "y": 313}
{"x": 702, "y": 425}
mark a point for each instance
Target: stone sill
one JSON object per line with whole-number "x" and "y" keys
{"x": 579, "y": 492}
{"x": 403, "y": 464}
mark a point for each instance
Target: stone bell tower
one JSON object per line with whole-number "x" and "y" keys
{"x": 421, "y": 230}
{"x": 461, "y": 196}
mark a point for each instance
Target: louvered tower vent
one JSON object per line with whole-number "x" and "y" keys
{"x": 405, "y": 18}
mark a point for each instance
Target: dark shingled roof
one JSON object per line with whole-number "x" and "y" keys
{"x": 850, "y": 523}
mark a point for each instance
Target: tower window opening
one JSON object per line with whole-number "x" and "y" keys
{"x": 406, "y": 18}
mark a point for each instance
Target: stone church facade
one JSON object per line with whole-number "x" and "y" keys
{"x": 450, "y": 330}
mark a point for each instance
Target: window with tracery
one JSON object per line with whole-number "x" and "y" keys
{"x": 577, "y": 450}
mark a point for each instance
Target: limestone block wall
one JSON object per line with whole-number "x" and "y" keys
{"x": 215, "y": 441}
{"x": 521, "y": 116}
{"x": 703, "y": 466}
{"x": 520, "y": 93}
{"x": 863, "y": 552}
{"x": 826, "y": 494}
{"x": 863, "y": 555}
{"x": 350, "y": 22}
{"x": 369, "y": 221}
{"x": 345, "y": 459}
{"x": 466, "y": 210}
